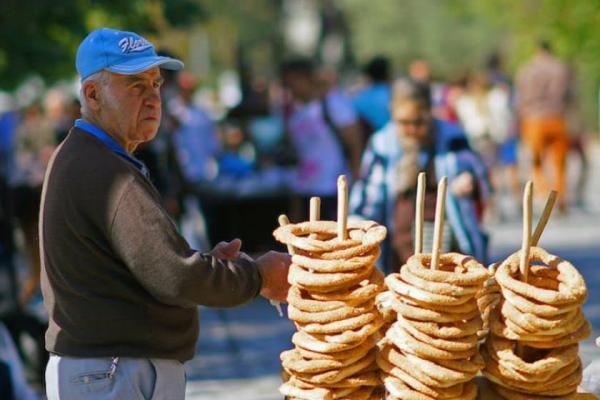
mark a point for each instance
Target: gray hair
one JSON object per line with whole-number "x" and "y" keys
{"x": 407, "y": 90}
{"x": 101, "y": 78}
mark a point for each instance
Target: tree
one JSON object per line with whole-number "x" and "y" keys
{"x": 40, "y": 37}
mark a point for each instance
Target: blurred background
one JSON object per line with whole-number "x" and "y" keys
{"x": 227, "y": 159}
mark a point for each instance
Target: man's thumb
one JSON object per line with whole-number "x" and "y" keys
{"x": 232, "y": 248}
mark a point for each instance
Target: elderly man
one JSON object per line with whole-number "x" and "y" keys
{"x": 120, "y": 284}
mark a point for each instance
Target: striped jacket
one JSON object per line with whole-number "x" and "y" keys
{"x": 373, "y": 196}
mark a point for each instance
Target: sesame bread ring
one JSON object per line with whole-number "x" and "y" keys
{"x": 349, "y": 324}
{"x": 448, "y": 330}
{"x": 391, "y": 360}
{"x": 572, "y": 287}
{"x": 503, "y": 351}
{"x": 287, "y": 389}
{"x": 422, "y": 314}
{"x": 336, "y": 375}
{"x": 341, "y": 356}
{"x": 293, "y": 361}
{"x": 308, "y": 342}
{"x": 466, "y": 307}
{"x": 543, "y": 310}
{"x": 402, "y": 361}
{"x": 364, "y": 290}
{"x": 533, "y": 323}
{"x": 422, "y": 384}
{"x": 509, "y": 394}
{"x": 325, "y": 317}
{"x": 297, "y": 235}
{"x": 405, "y": 341}
{"x": 399, "y": 390}
{"x": 581, "y": 334}
{"x": 454, "y": 268}
{"x": 336, "y": 265}
{"x": 301, "y": 300}
{"x": 563, "y": 382}
{"x": 442, "y": 288}
{"x": 399, "y": 286}
{"x": 352, "y": 336}
{"x": 326, "y": 282}
{"x": 466, "y": 343}
{"x": 369, "y": 378}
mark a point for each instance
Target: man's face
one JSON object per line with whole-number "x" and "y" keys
{"x": 301, "y": 85}
{"x": 131, "y": 106}
{"x": 412, "y": 120}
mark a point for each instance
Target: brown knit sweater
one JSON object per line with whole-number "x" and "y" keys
{"x": 117, "y": 278}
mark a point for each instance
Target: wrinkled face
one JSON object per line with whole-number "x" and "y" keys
{"x": 130, "y": 107}
{"x": 412, "y": 120}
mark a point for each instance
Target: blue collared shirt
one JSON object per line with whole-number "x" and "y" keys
{"x": 111, "y": 144}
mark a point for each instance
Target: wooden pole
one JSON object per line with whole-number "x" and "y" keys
{"x": 419, "y": 213}
{"x": 342, "y": 212}
{"x": 315, "y": 212}
{"x": 535, "y": 238}
{"x": 439, "y": 222}
{"x": 526, "y": 242}
{"x": 283, "y": 221}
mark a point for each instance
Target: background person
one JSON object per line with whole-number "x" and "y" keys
{"x": 386, "y": 191}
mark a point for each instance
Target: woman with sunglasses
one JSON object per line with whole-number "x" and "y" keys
{"x": 412, "y": 142}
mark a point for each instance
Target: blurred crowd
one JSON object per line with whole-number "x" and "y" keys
{"x": 229, "y": 174}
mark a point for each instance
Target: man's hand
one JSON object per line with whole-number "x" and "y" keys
{"x": 273, "y": 267}
{"x": 462, "y": 185}
{"x": 228, "y": 250}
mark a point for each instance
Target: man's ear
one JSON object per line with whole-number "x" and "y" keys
{"x": 91, "y": 92}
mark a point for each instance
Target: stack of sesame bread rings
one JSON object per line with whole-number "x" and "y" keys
{"x": 332, "y": 303}
{"x": 431, "y": 351}
{"x": 543, "y": 315}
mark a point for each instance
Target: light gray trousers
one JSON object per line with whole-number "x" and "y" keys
{"x": 70, "y": 378}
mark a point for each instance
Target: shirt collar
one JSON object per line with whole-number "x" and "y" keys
{"x": 110, "y": 143}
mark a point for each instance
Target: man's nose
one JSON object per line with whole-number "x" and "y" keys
{"x": 153, "y": 98}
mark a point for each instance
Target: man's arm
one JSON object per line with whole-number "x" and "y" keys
{"x": 146, "y": 240}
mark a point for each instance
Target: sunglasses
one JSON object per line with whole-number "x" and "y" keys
{"x": 415, "y": 122}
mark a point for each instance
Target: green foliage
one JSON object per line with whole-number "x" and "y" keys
{"x": 40, "y": 37}
{"x": 454, "y": 35}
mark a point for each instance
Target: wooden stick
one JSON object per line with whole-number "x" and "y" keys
{"x": 526, "y": 243}
{"x": 342, "y": 215}
{"x": 419, "y": 213}
{"x": 439, "y": 222}
{"x": 315, "y": 209}
{"x": 283, "y": 221}
{"x": 535, "y": 238}
{"x": 315, "y": 212}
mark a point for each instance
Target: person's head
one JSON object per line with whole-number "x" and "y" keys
{"x": 188, "y": 83}
{"x": 120, "y": 84}
{"x": 298, "y": 76}
{"x": 419, "y": 71}
{"x": 544, "y": 46}
{"x": 411, "y": 109}
{"x": 378, "y": 69}
{"x": 478, "y": 83}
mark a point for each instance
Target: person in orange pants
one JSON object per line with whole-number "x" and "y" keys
{"x": 544, "y": 90}
{"x": 548, "y": 141}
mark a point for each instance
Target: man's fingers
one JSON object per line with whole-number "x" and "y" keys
{"x": 230, "y": 249}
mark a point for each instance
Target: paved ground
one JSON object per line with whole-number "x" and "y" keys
{"x": 238, "y": 348}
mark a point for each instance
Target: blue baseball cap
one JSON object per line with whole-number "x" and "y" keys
{"x": 119, "y": 51}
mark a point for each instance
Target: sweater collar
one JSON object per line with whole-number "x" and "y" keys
{"x": 111, "y": 143}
